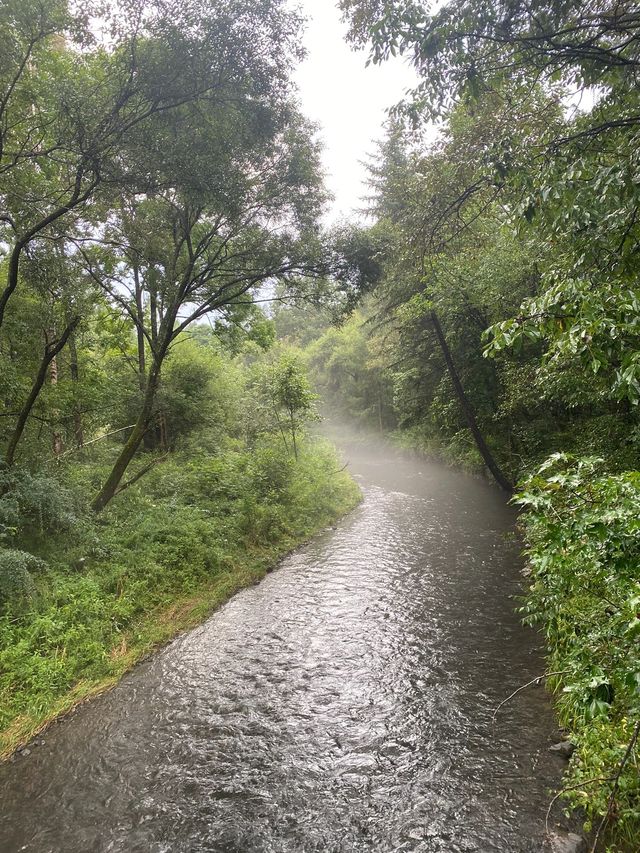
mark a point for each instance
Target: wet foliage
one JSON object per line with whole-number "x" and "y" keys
{"x": 582, "y": 528}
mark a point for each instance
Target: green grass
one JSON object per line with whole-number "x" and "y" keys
{"x": 163, "y": 556}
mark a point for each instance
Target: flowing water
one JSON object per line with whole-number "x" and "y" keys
{"x": 343, "y": 705}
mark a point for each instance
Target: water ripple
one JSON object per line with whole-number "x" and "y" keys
{"x": 343, "y": 705}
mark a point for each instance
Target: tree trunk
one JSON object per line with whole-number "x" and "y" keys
{"x": 78, "y": 430}
{"x": 12, "y": 278}
{"x": 51, "y": 350}
{"x": 149, "y": 437}
{"x": 76, "y": 197}
{"x": 293, "y": 434}
{"x": 142, "y": 369}
{"x": 281, "y": 428}
{"x": 159, "y": 351}
{"x": 57, "y": 441}
{"x": 108, "y": 491}
{"x": 153, "y": 306}
{"x": 481, "y": 444}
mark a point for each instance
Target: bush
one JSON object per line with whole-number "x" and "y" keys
{"x": 33, "y": 504}
{"x": 582, "y": 527}
{"x": 270, "y": 470}
{"x": 16, "y": 581}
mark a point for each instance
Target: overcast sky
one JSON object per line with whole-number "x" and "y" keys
{"x": 346, "y": 99}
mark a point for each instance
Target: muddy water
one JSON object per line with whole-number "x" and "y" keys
{"x": 342, "y": 705}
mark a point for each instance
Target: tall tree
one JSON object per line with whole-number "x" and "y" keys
{"x": 76, "y": 85}
{"x": 80, "y": 90}
{"x": 232, "y": 210}
{"x": 574, "y": 183}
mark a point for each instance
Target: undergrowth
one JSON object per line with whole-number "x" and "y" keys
{"x": 582, "y": 527}
{"x": 83, "y": 597}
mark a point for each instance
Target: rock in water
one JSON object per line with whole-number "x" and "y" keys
{"x": 565, "y": 748}
{"x": 567, "y": 843}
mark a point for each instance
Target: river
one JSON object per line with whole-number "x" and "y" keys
{"x": 343, "y": 705}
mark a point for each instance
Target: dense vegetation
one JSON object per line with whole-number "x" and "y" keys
{"x": 84, "y": 596}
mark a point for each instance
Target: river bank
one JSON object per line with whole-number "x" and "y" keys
{"x": 578, "y": 529}
{"x": 345, "y": 702}
{"x": 157, "y": 563}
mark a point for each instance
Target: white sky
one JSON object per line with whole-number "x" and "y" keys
{"x": 346, "y": 99}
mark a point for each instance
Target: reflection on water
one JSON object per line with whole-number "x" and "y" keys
{"x": 343, "y": 705}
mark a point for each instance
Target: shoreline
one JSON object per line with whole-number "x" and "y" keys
{"x": 160, "y": 628}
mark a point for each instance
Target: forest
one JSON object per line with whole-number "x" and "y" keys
{"x": 176, "y": 319}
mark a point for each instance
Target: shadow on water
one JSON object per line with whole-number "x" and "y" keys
{"x": 343, "y": 705}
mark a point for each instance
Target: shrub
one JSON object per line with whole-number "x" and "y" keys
{"x": 33, "y": 504}
{"x": 16, "y": 581}
{"x": 582, "y": 527}
{"x": 194, "y": 527}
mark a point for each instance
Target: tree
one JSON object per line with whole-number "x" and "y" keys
{"x": 290, "y": 397}
{"x": 70, "y": 100}
{"x": 348, "y": 364}
{"x": 52, "y": 305}
{"x": 427, "y": 300}
{"x": 94, "y": 106}
{"x": 234, "y": 210}
{"x": 52, "y": 348}
{"x": 571, "y": 183}
{"x": 469, "y": 46}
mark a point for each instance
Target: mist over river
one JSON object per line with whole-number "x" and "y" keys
{"x": 343, "y": 705}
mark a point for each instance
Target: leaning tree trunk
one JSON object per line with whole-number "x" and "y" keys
{"x": 162, "y": 341}
{"x": 481, "y": 444}
{"x": 51, "y": 350}
{"x": 142, "y": 368}
{"x": 110, "y": 488}
{"x": 148, "y": 438}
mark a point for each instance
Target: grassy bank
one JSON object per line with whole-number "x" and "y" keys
{"x": 101, "y": 592}
{"x": 460, "y": 452}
